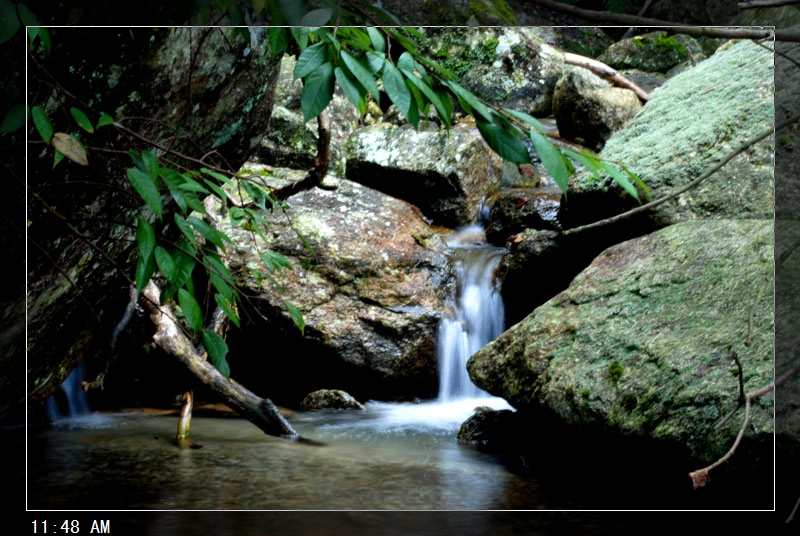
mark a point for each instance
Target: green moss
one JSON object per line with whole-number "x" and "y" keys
{"x": 498, "y": 8}
{"x": 614, "y": 372}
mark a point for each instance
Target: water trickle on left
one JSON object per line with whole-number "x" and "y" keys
{"x": 70, "y": 400}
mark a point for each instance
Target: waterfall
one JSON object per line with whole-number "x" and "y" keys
{"x": 477, "y": 316}
{"x": 70, "y": 400}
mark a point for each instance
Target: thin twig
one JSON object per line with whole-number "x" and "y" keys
{"x": 719, "y": 165}
{"x": 633, "y": 20}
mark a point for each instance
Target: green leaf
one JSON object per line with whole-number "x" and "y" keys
{"x": 620, "y": 179}
{"x": 222, "y": 287}
{"x": 219, "y": 176}
{"x": 42, "y": 123}
{"x": 589, "y": 161}
{"x": 59, "y": 156}
{"x": 145, "y": 238}
{"x": 150, "y": 164}
{"x": 378, "y": 42}
{"x": 639, "y": 182}
{"x": 352, "y": 90}
{"x": 445, "y": 112}
{"x": 395, "y": 86}
{"x": 82, "y": 120}
{"x": 104, "y": 120}
{"x": 217, "y": 350}
{"x": 469, "y": 101}
{"x": 317, "y": 91}
{"x": 529, "y": 119}
{"x": 145, "y": 268}
{"x": 317, "y": 17}
{"x": 364, "y": 76}
{"x": 209, "y": 233}
{"x": 9, "y": 22}
{"x": 310, "y": 60}
{"x": 504, "y": 142}
{"x": 184, "y": 264}
{"x": 375, "y": 61}
{"x": 14, "y": 118}
{"x": 190, "y": 309}
{"x": 184, "y": 227}
{"x": 274, "y": 261}
{"x": 227, "y": 309}
{"x": 297, "y": 316}
{"x": 278, "y": 38}
{"x": 146, "y": 187}
{"x": 165, "y": 263}
{"x": 552, "y": 159}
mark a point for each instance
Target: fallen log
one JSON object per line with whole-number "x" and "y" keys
{"x": 171, "y": 338}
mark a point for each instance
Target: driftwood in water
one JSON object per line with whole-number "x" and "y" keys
{"x": 260, "y": 411}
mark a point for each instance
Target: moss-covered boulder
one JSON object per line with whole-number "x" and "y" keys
{"x": 693, "y": 121}
{"x": 641, "y": 344}
{"x": 446, "y": 174}
{"x": 652, "y": 52}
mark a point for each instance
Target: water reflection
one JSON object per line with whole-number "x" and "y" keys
{"x": 372, "y": 460}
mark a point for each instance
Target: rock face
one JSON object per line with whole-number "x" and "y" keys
{"x": 372, "y": 289}
{"x": 652, "y": 52}
{"x": 641, "y": 342}
{"x": 330, "y": 399}
{"x": 587, "y": 108}
{"x": 445, "y": 174}
{"x": 689, "y": 124}
{"x": 198, "y": 81}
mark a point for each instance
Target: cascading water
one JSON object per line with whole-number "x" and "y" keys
{"x": 477, "y": 317}
{"x": 70, "y": 400}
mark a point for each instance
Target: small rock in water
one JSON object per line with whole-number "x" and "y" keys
{"x": 330, "y": 399}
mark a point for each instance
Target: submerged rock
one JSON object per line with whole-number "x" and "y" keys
{"x": 330, "y": 399}
{"x": 641, "y": 342}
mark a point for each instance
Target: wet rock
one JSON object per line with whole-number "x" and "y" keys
{"x": 371, "y": 285}
{"x": 211, "y": 85}
{"x": 489, "y": 429}
{"x": 640, "y": 343}
{"x": 588, "y": 109}
{"x": 512, "y": 211}
{"x": 330, "y": 399}
{"x": 445, "y": 174}
{"x": 652, "y": 52}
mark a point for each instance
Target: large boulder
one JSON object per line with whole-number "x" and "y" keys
{"x": 642, "y": 342}
{"x": 652, "y": 52}
{"x": 371, "y": 279}
{"x": 588, "y": 109}
{"x": 689, "y": 125}
{"x": 446, "y": 174}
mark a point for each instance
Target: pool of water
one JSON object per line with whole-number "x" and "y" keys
{"x": 388, "y": 457}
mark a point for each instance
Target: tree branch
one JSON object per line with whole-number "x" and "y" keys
{"x": 260, "y": 411}
{"x": 766, "y": 3}
{"x": 633, "y": 20}
{"x": 606, "y": 72}
{"x": 716, "y": 167}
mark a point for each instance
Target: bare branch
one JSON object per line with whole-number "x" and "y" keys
{"x": 713, "y": 169}
{"x": 603, "y": 70}
{"x": 633, "y": 20}
{"x": 766, "y": 3}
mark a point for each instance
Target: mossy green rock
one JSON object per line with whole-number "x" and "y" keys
{"x": 653, "y": 52}
{"x": 693, "y": 121}
{"x": 641, "y": 342}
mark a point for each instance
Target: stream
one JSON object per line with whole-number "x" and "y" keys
{"x": 390, "y": 456}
